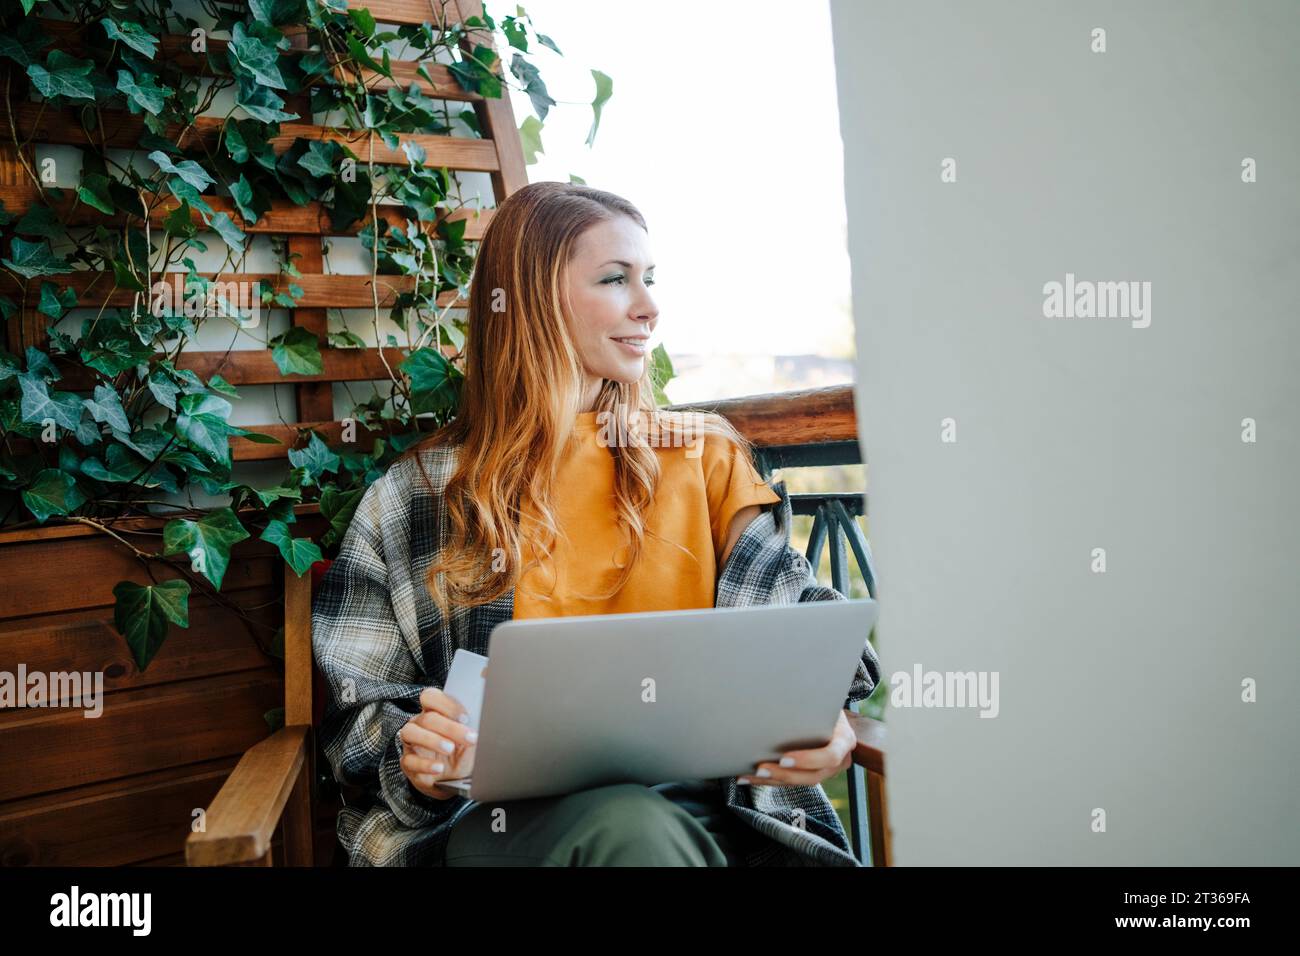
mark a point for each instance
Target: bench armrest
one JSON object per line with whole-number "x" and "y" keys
{"x": 243, "y": 816}
{"x": 870, "y": 751}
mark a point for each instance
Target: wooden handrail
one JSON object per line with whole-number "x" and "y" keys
{"x": 804, "y": 417}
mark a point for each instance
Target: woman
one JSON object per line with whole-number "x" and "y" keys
{"x": 558, "y": 489}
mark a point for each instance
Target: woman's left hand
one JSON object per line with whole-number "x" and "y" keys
{"x": 803, "y": 768}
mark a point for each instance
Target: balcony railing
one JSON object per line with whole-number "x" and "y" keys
{"x": 808, "y": 429}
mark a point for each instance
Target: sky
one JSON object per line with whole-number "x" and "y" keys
{"x": 705, "y": 145}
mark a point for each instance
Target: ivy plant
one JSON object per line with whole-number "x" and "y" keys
{"x": 106, "y": 423}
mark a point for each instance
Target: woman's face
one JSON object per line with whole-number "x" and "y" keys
{"x": 608, "y": 281}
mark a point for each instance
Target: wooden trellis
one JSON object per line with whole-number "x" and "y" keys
{"x": 498, "y": 153}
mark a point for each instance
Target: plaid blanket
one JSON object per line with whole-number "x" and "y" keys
{"x": 379, "y": 640}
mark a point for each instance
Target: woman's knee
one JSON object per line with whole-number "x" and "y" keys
{"x": 631, "y": 824}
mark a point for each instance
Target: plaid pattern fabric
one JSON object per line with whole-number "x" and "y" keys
{"x": 379, "y": 640}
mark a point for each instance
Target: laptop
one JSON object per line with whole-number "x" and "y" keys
{"x": 570, "y": 703}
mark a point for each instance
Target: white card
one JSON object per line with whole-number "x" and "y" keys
{"x": 465, "y": 682}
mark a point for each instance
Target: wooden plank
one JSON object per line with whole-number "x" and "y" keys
{"x": 217, "y": 641}
{"x": 870, "y": 749}
{"x": 139, "y": 731}
{"x": 803, "y": 417}
{"x": 297, "y": 648}
{"x": 496, "y": 120}
{"x": 94, "y": 288}
{"x": 36, "y": 122}
{"x": 175, "y": 48}
{"x": 283, "y": 218}
{"x": 115, "y": 823}
{"x": 241, "y": 449}
{"x": 419, "y": 11}
{"x": 247, "y": 811}
{"x": 48, "y": 575}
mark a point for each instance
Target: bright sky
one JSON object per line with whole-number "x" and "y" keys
{"x": 749, "y": 243}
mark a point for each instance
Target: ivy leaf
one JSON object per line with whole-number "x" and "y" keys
{"x": 297, "y": 352}
{"x": 39, "y": 403}
{"x": 143, "y": 93}
{"x": 202, "y": 423}
{"x": 93, "y": 191}
{"x": 231, "y": 234}
{"x": 132, "y": 34}
{"x": 207, "y": 541}
{"x": 530, "y": 138}
{"x": 300, "y": 553}
{"x": 338, "y": 507}
{"x": 187, "y": 194}
{"x": 119, "y": 465}
{"x": 106, "y": 406}
{"x": 346, "y": 338}
{"x": 661, "y": 371}
{"x": 188, "y": 170}
{"x": 527, "y": 74}
{"x": 164, "y": 390}
{"x": 256, "y": 56}
{"x": 63, "y": 75}
{"x": 142, "y": 612}
{"x": 241, "y": 190}
{"x": 52, "y": 492}
{"x": 40, "y": 221}
{"x": 219, "y": 384}
{"x": 180, "y": 222}
{"x": 604, "y": 89}
{"x": 431, "y": 377}
{"x": 38, "y": 363}
{"x": 32, "y": 259}
{"x": 54, "y": 302}
{"x": 261, "y": 103}
{"x": 315, "y": 459}
{"x": 321, "y": 158}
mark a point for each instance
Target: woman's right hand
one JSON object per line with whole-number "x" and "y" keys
{"x": 437, "y": 745}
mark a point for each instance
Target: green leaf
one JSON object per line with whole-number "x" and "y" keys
{"x": 300, "y": 553}
{"x": 261, "y": 103}
{"x": 63, "y": 75}
{"x": 106, "y": 406}
{"x": 93, "y": 191}
{"x": 297, "y": 352}
{"x": 164, "y": 389}
{"x": 219, "y": 384}
{"x": 55, "y": 302}
{"x": 40, "y": 221}
{"x": 119, "y": 465}
{"x": 315, "y": 459}
{"x": 142, "y": 613}
{"x": 527, "y": 74}
{"x": 661, "y": 372}
{"x": 207, "y": 541}
{"x": 53, "y": 492}
{"x": 231, "y": 234}
{"x": 346, "y": 338}
{"x": 188, "y": 170}
{"x": 321, "y": 158}
{"x": 432, "y": 380}
{"x": 180, "y": 222}
{"x": 604, "y": 89}
{"x": 187, "y": 194}
{"x": 132, "y": 34}
{"x": 530, "y": 138}
{"x": 256, "y": 56}
{"x": 32, "y": 259}
{"x": 64, "y": 408}
{"x": 338, "y": 507}
{"x": 202, "y": 423}
{"x": 143, "y": 93}
{"x": 241, "y": 190}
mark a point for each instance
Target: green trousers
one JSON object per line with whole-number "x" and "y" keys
{"x": 625, "y": 824}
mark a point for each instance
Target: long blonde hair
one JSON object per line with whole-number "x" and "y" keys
{"x": 522, "y": 394}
